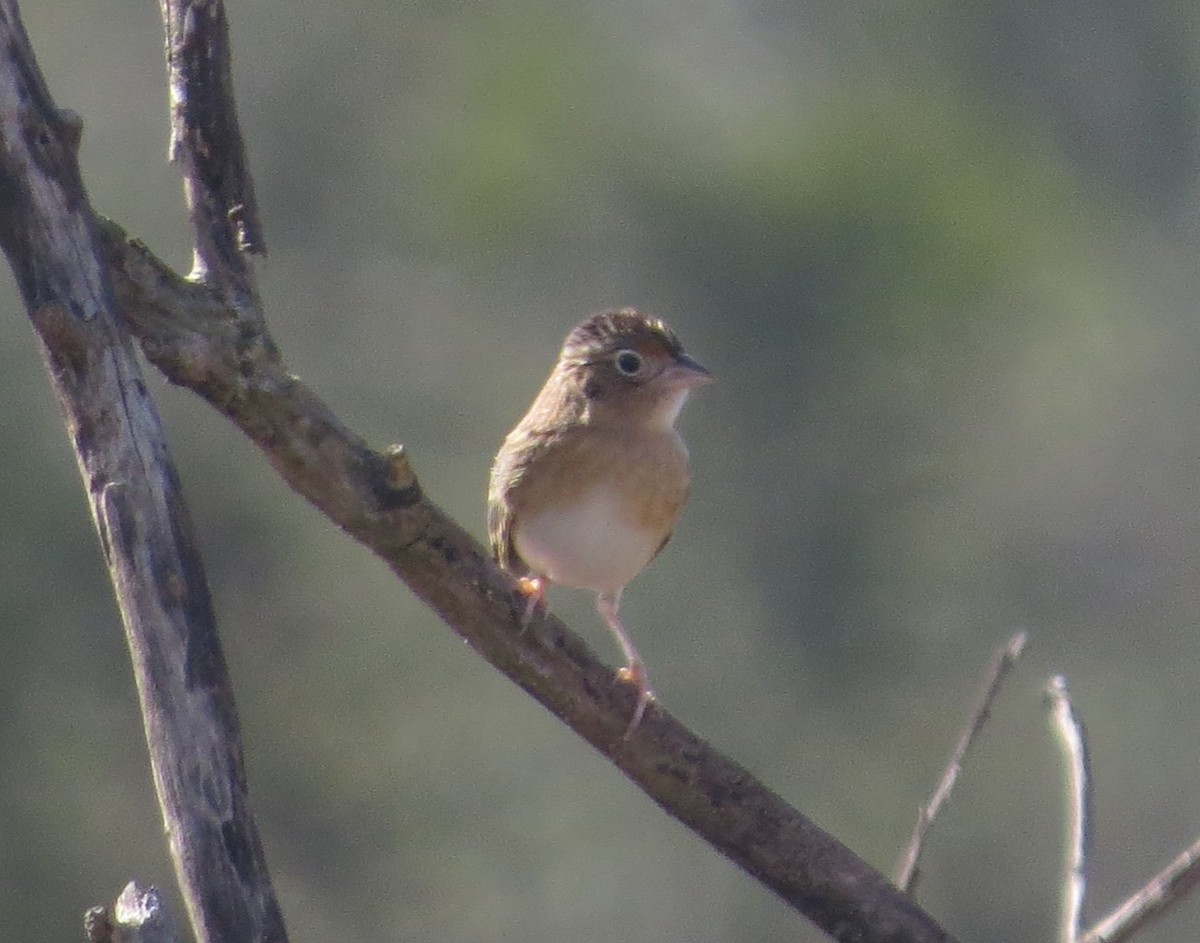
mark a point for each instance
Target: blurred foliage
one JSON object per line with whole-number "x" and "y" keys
{"x": 941, "y": 257}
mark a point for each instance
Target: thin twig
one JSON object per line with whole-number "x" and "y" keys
{"x": 1164, "y": 891}
{"x": 1072, "y": 739}
{"x": 1005, "y": 657}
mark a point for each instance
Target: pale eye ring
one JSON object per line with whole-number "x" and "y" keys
{"x": 628, "y": 362}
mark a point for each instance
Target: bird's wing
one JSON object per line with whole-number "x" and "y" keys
{"x": 508, "y": 471}
{"x": 500, "y": 533}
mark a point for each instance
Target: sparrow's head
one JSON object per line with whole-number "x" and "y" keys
{"x": 630, "y": 367}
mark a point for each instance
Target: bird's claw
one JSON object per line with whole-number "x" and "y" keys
{"x": 635, "y": 673}
{"x": 534, "y": 589}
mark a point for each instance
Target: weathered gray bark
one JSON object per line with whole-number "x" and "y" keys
{"x": 48, "y": 231}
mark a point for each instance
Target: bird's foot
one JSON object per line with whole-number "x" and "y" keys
{"x": 635, "y": 673}
{"x": 534, "y": 589}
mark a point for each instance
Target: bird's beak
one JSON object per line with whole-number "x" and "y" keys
{"x": 688, "y": 373}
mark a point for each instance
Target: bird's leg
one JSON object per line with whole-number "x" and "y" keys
{"x": 534, "y": 588}
{"x": 634, "y": 671}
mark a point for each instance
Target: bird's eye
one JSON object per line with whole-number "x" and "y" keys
{"x": 629, "y": 362}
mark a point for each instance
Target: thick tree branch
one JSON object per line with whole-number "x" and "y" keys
{"x": 48, "y": 231}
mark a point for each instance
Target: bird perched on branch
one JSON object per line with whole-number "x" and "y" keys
{"x": 587, "y": 488}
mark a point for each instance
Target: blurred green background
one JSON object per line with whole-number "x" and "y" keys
{"x": 942, "y": 258}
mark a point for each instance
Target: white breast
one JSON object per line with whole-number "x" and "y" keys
{"x": 590, "y": 545}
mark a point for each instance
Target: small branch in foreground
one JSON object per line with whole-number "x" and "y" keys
{"x": 1164, "y": 891}
{"x": 1073, "y": 741}
{"x": 908, "y": 868}
{"x": 139, "y": 916}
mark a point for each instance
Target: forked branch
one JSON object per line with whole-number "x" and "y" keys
{"x": 49, "y": 233}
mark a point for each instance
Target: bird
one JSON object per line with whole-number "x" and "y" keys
{"x": 587, "y": 488}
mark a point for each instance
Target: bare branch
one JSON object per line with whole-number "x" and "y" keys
{"x": 1073, "y": 740}
{"x": 376, "y": 498}
{"x": 205, "y": 340}
{"x": 1166, "y": 889}
{"x": 48, "y": 231}
{"x": 207, "y": 143}
{"x": 908, "y": 869}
